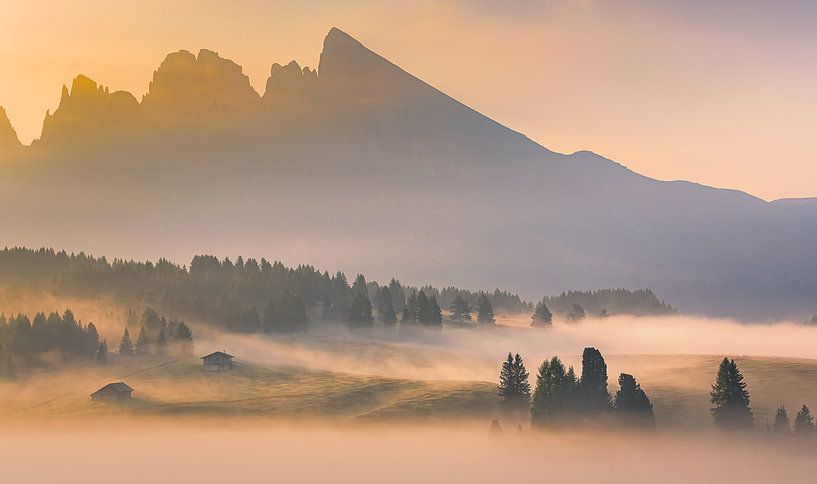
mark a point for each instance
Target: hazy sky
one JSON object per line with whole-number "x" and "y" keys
{"x": 721, "y": 93}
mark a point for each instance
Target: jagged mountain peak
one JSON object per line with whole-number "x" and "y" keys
{"x": 189, "y": 86}
{"x": 8, "y": 136}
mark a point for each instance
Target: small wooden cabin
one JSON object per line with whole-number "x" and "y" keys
{"x": 113, "y": 392}
{"x": 218, "y": 361}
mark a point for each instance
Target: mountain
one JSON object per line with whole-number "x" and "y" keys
{"x": 8, "y": 137}
{"x": 359, "y": 164}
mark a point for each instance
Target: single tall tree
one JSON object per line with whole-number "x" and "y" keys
{"x": 804, "y": 423}
{"x": 632, "y": 404}
{"x": 542, "y": 317}
{"x": 781, "y": 425}
{"x": 360, "y": 314}
{"x": 576, "y": 314}
{"x": 595, "y": 397}
{"x": 125, "y": 344}
{"x": 514, "y": 387}
{"x": 485, "y": 312}
{"x": 423, "y": 308}
{"x": 554, "y": 398}
{"x": 730, "y": 397}
{"x": 385, "y": 307}
{"x": 435, "y": 314}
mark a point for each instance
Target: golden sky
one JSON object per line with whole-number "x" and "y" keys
{"x": 721, "y": 93}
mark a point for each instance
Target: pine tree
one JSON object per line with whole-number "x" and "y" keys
{"x": 360, "y": 314}
{"x": 434, "y": 312}
{"x": 142, "y": 343}
{"x": 410, "y": 310}
{"x": 385, "y": 307}
{"x": 485, "y": 312}
{"x": 730, "y": 397}
{"x": 359, "y": 286}
{"x": 595, "y": 397}
{"x": 514, "y": 388}
{"x": 804, "y": 423}
{"x": 398, "y": 295}
{"x": 183, "y": 338}
{"x": 781, "y": 426}
{"x": 125, "y": 345}
{"x": 554, "y": 398}
{"x": 542, "y": 317}
{"x": 102, "y": 353}
{"x": 632, "y": 404}
{"x": 460, "y": 310}
{"x": 422, "y": 308}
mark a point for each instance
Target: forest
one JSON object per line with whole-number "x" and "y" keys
{"x": 250, "y": 295}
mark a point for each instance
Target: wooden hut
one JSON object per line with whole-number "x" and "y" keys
{"x": 113, "y": 392}
{"x": 218, "y": 361}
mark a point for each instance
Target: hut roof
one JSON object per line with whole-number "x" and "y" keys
{"x": 217, "y": 353}
{"x": 119, "y": 387}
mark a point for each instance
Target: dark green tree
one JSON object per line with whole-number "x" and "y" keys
{"x": 554, "y": 397}
{"x": 594, "y": 394}
{"x": 542, "y": 318}
{"x": 360, "y": 314}
{"x": 485, "y": 312}
{"x": 183, "y": 339}
{"x": 781, "y": 426}
{"x": 359, "y": 286}
{"x": 435, "y": 314}
{"x": 385, "y": 307}
{"x": 410, "y": 310}
{"x": 125, "y": 344}
{"x": 804, "y": 423}
{"x": 632, "y": 404}
{"x": 514, "y": 387}
{"x": 398, "y": 295}
{"x": 422, "y": 308}
{"x": 731, "y": 398}
{"x": 460, "y": 310}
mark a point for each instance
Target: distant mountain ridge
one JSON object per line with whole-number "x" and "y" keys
{"x": 358, "y": 164}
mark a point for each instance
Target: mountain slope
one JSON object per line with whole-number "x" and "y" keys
{"x": 364, "y": 165}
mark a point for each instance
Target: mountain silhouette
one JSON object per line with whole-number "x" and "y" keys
{"x": 358, "y": 164}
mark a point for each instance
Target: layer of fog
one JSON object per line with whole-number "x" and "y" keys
{"x": 475, "y": 353}
{"x": 208, "y": 452}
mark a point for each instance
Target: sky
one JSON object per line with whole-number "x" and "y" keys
{"x": 720, "y": 93}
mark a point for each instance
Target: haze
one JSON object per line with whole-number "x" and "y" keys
{"x": 718, "y": 94}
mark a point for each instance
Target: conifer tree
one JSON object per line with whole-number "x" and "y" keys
{"x": 422, "y": 308}
{"x": 398, "y": 295}
{"x": 460, "y": 310}
{"x": 632, "y": 404}
{"x": 514, "y": 387}
{"x": 142, "y": 346}
{"x": 359, "y": 286}
{"x": 183, "y": 338}
{"x": 730, "y": 397}
{"x": 91, "y": 340}
{"x": 125, "y": 344}
{"x": 385, "y": 307}
{"x": 595, "y": 397}
{"x": 102, "y": 353}
{"x": 576, "y": 314}
{"x": 781, "y": 426}
{"x": 360, "y": 314}
{"x": 542, "y": 317}
{"x": 804, "y": 423}
{"x": 410, "y": 310}
{"x": 554, "y": 397}
{"x": 435, "y": 314}
{"x": 485, "y": 312}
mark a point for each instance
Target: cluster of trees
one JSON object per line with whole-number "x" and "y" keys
{"x": 562, "y": 398}
{"x": 732, "y": 410}
{"x": 245, "y": 295}
{"x": 460, "y": 310}
{"x": 24, "y": 338}
{"x": 642, "y": 302}
{"x": 157, "y": 336}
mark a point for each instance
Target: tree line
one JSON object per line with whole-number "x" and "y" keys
{"x": 23, "y": 340}
{"x": 561, "y": 398}
{"x": 242, "y": 295}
